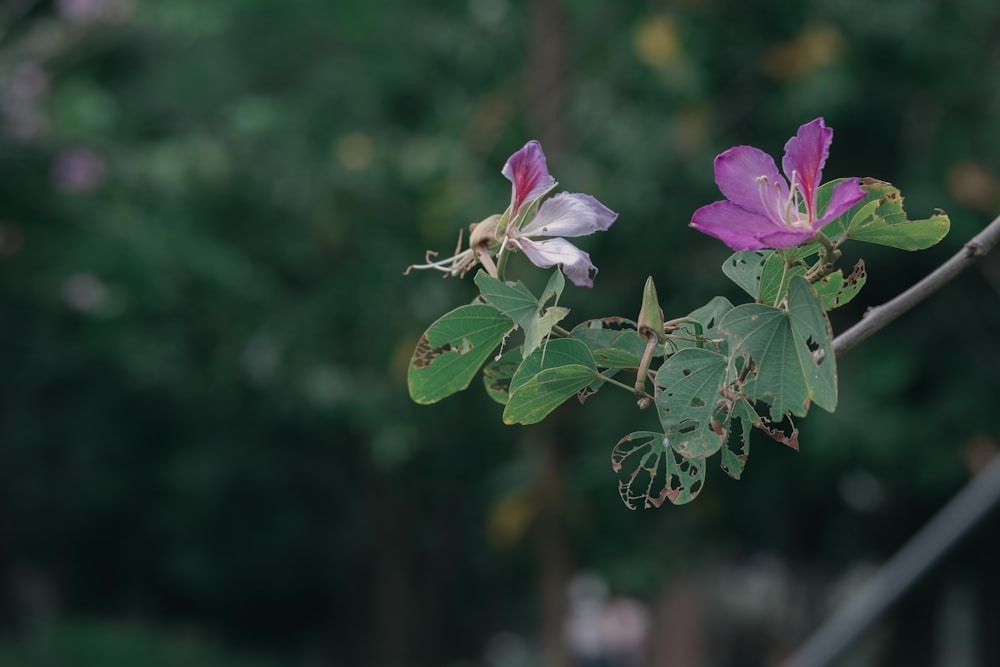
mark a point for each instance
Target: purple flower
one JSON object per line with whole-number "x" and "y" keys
{"x": 763, "y": 210}
{"x": 536, "y": 231}
{"x": 566, "y": 214}
{"x": 527, "y": 170}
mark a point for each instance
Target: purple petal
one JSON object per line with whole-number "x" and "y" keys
{"x": 846, "y": 194}
{"x": 575, "y": 263}
{"x": 735, "y": 226}
{"x": 569, "y": 214}
{"x": 527, "y": 170}
{"x": 786, "y": 238}
{"x": 749, "y": 178}
{"x": 805, "y": 155}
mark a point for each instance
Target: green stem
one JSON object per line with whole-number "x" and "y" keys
{"x": 502, "y": 256}
{"x": 828, "y": 255}
{"x": 784, "y": 276}
{"x": 616, "y": 383}
{"x": 640, "y": 375}
{"x": 562, "y": 332}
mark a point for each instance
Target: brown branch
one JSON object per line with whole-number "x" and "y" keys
{"x": 879, "y": 316}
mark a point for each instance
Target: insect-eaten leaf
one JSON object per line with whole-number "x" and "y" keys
{"x": 547, "y": 378}
{"x": 784, "y": 432}
{"x": 691, "y": 408}
{"x": 737, "y": 447}
{"x": 791, "y": 351}
{"x": 835, "y": 290}
{"x": 453, "y": 349}
{"x": 650, "y": 472}
{"x": 517, "y": 302}
{"x": 880, "y": 218}
{"x": 497, "y": 375}
{"x": 614, "y": 342}
{"x": 698, "y": 329}
{"x": 744, "y": 269}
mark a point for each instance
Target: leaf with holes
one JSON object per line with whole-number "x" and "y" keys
{"x": 698, "y": 329}
{"x": 711, "y": 313}
{"x": 744, "y": 269}
{"x": 497, "y": 375}
{"x": 517, "y": 302}
{"x": 452, "y": 349}
{"x": 880, "y": 218}
{"x": 775, "y": 278}
{"x": 650, "y": 472}
{"x": 737, "y": 448}
{"x": 791, "y": 349}
{"x": 614, "y": 342}
{"x": 549, "y": 376}
{"x": 834, "y": 290}
{"x": 687, "y": 397}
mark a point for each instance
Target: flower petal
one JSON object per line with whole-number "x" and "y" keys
{"x": 749, "y": 178}
{"x": 575, "y": 263}
{"x": 845, "y": 194}
{"x": 527, "y": 170}
{"x": 570, "y": 214}
{"x": 786, "y": 238}
{"x": 741, "y": 229}
{"x": 805, "y": 155}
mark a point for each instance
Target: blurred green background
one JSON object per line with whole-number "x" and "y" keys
{"x": 207, "y": 451}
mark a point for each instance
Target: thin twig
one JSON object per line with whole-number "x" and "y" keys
{"x": 879, "y": 316}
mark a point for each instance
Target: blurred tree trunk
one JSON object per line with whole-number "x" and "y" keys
{"x": 546, "y": 97}
{"x": 677, "y": 635}
{"x": 546, "y": 75}
{"x": 394, "y": 601}
{"x": 554, "y": 561}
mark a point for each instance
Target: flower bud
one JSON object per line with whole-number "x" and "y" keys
{"x": 650, "y": 315}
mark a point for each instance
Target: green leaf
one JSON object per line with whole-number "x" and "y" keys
{"x": 497, "y": 375}
{"x": 737, "y": 449}
{"x": 774, "y": 279}
{"x": 700, "y": 326}
{"x": 880, "y": 218}
{"x": 650, "y": 471}
{"x": 744, "y": 269}
{"x": 547, "y": 378}
{"x": 612, "y": 357}
{"x": 614, "y": 342}
{"x": 452, "y": 349}
{"x": 813, "y": 339}
{"x": 781, "y": 342}
{"x": 711, "y": 313}
{"x": 834, "y": 290}
{"x": 836, "y": 228}
{"x": 687, "y": 393}
{"x": 512, "y": 299}
{"x": 517, "y": 302}
{"x": 554, "y": 288}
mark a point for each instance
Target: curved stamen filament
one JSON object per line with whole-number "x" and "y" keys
{"x": 770, "y": 203}
{"x": 454, "y": 264}
{"x": 787, "y": 212}
{"x": 793, "y": 212}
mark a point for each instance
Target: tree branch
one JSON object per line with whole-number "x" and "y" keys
{"x": 879, "y": 316}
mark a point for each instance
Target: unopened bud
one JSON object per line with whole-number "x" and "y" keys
{"x": 650, "y": 315}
